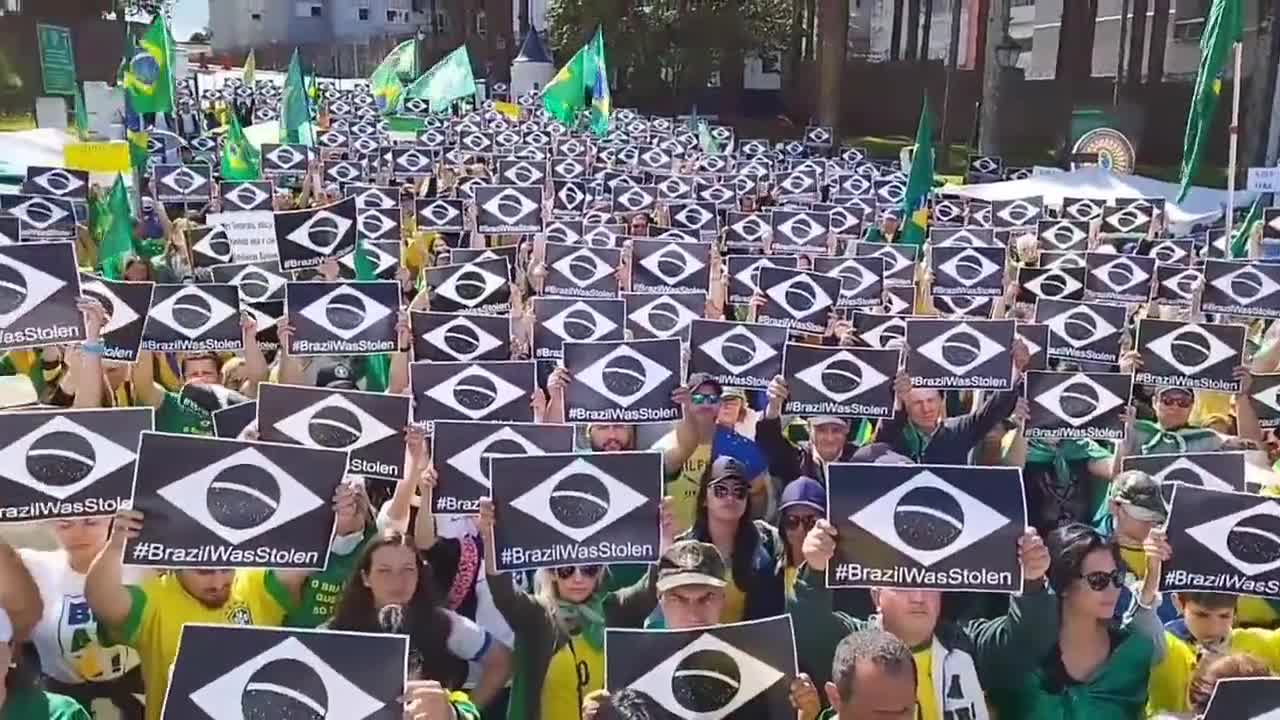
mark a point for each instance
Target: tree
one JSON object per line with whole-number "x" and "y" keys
{"x": 1137, "y": 44}
{"x": 895, "y": 40}
{"x": 1075, "y": 56}
{"x": 997, "y": 24}
{"x": 201, "y": 36}
{"x": 1159, "y": 42}
{"x": 833, "y": 42}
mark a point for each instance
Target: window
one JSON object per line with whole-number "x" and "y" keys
{"x": 255, "y": 16}
{"x": 391, "y": 16}
{"x": 481, "y": 23}
{"x": 309, "y": 8}
{"x": 362, "y": 13}
{"x": 1023, "y": 3}
{"x": 1188, "y": 30}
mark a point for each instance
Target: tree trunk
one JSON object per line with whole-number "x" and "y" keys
{"x": 833, "y": 42}
{"x": 1075, "y": 57}
{"x": 997, "y": 22}
{"x": 732, "y": 57}
{"x": 1137, "y": 44}
{"x": 1255, "y": 110}
{"x": 926, "y": 31}
{"x": 953, "y": 61}
{"x": 913, "y": 29}
{"x": 1159, "y": 42}
{"x": 797, "y": 27}
{"x": 810, "y": 30}
{"x": 895, "y": 42}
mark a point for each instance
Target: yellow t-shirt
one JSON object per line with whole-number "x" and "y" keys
{"x": 161, "y": 607}
{"x": 682, "y": 486}
{"x": 1253, "y": 611}
{"x": 1135, "y": 560}
{"x": 735, "y": 601}
{"x": 575, "y": 671}
{"x": 1171, "y": 679}
{"x": 925, "y": 695}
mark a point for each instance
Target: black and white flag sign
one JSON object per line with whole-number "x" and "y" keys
{"x": 231, "y": 421}
{"x": 1119, "y": 278}
{"x": 575, "y": 509}
{"x": 39, "y": 286}
{"x": 258, "y": 282}
{"x": 1224, "y": 471}
{"x": 744, "y": 274}
{"x": 561, "y": 320}
{"x": 960, "y": 354}
{"x": 737, "y": 354}
{"x": 1177, "y": 285}
{"x": 384, "y": 259}
{"x": 801, "y": 301}
{"x": 490, "y": 391}
{"x": 1246, "y": 289}
{"x": 662, "y": 266}
{"x": 285, "y": 159}
{"x": 126, "y": 304}
{"x": 10, "y": 230}
{"x": 461, "y": 452}
{"x": 1244, "y": 697}
{"x": 1035, "y": 337}
{"x": 441, "y": 214}
{"x": 841, "y": 381}
{"x": 68, "y": 463}
{"x": 41, "y": 217}
{"x": 247, "y": 196}
{"x": 738, "y": 670}
{"x": 1196, "y": 356}
{"x": 1064, "y": 235}
{"x": 505, "y": 209}
{"x": 481, "y": 287}
{"x": 625, "y": 382}
{"x": 1264, "y": 393}
{"x": 663, "y": 315}
{"x": 882, "y": 330}
{"x": 861, "y": 279}
{"x": 193, "y": 318}
{"x": 577, "y": 271}
{"x": 1227, "y": 542}
{"x": 217, "y": 503}
{"x": 941, "y": 527}
{"x": 351, "y": 318}
{"x": 57, "y": 181}
{"x": 899, "y": 260}
{"x": 377, "y": 224}
{"x": 800, "y": 231}
{"x": 1089, "y": 332}
{"x": 1051, "y": 283}
{"x": 181, "y": 184}
{"x": 232, "y": 671}
{"x": 447, "y": 337}
{"x": 370, "y": 426}
{"x": 210, "y": 246}
{"x": 305, "y": 238}
{"x": 968, "y": 271}
{"x": 1077, "y": 406}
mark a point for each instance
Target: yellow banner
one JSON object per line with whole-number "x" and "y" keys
{"x": 97, "y": 157}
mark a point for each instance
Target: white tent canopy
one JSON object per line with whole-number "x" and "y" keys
{"x": 1202, "y": 205}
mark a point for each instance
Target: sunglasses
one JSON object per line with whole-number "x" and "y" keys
{"x": 587, "y": 571}
{"x": 704, "y": 398}
{"x": 1181, "y": 401}
{"x": 723, "y": 490}
{"x": 795, "y": 522}
{"x": 1098, "y": 580}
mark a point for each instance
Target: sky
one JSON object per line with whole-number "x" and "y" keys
{"x": 189, "y": 16}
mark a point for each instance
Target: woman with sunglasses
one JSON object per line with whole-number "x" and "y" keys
{"x": 752, "y": 549}
{"x": 804, "y": 502}
{"x": 72, "y": 658}
{"x": 559, "y": 630}
{"x": 1099, "y": 668}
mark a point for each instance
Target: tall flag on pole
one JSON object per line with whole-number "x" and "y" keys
{"x": 239, "y": 158}
{"x": 295, "y": 110}
{"x": 1223, "y": 28}
{"x": 601, "y": 98}
{"x": 448, "y": 81}
{"x": 117, "y": 239}
{"x": 250, "y": 70}
{"x": 915, "y": 201}
{"x": 149, "y": 76}
{"x": 1240, "y": 238}
{"x": 385, "y": 82}
{"x": 82, "y": 116}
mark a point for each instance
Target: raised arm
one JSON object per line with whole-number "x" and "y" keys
{"x": 19, "y": 596}
{"x": 104, "y": 586}
{"x": 255, "y": 362}
{"x": 143, "y": 375}
{"x": 90, "y": 382}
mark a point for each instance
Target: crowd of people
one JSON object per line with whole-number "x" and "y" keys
{"x": 744, "y": 529}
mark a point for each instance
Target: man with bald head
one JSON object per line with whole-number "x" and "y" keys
{"x": 920, "y": 431}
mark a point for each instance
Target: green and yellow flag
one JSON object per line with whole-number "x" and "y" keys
{"x": 117, "y": 241}
{"x": 1239, "y": 248}
{"x": 149, "y": 76}
{"x": 82, "y": 116}
{"x": 448, "y": 81}
{"x": 295, "y": 108}
{"x": 1223, "y": 28}
{"x": 586, "y": 72}
{"x": 601, "y": 98}
{"x": 386, "y": 83}
{"x": 915, "y": 201}
{"x": 378, "y": 369}
{"x": 240, "y": 159}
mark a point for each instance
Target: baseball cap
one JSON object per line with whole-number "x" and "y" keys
{"x": 1140, "y": 494}
{"x": 1181, "y": 390}
{"x": 726, "y": 467}
{"x": 690, "y": 562}
{"x": 738, "y": 393}
{"x": 804, "y": 492}
{"x": 337, "y": 376}
{"x": 698, "y": 379}
{"x": 820, "y": 420}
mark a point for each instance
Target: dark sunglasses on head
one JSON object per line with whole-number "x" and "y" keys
{"x": 722, "y": 490}
{"x": 704, "y": 398}
{"x": 793, "y": 522}
{"x": 1098, "y": 580}
{"x": 588, "y": 571}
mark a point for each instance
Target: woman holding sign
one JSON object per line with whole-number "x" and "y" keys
{"x": 559, "y": 632}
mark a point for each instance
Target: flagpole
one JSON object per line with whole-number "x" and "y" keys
{"x": 1233, "y": 148}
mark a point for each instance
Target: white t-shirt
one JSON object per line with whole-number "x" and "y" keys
{"x": 66, "y": 638}
{"x": 467, "y": 640}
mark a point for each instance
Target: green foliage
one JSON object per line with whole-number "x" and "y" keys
{"x": 656, "y": 46}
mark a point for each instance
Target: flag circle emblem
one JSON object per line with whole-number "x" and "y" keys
{"x": 192, "y": 310}
{"x": 334, "y": 427}
{"x": 285, "y": 688}
{"x": 60, "y": 459}
{"x": 1191, "y": 349}
{"x": 345, "y": 312}
{"x": 705, "y": 681}
{"x": 1255, "y": 539}
{"x": 462, "y": 340}
{"x": 475, "y": 392}
{"x": 242, "y": 496}
{"x": 1080, "y": 327}
{"x": 624, "y": 375}
{"x": 928, "y": 519}
{"x": 962, "y": 349}
{"x": 13, "y": 290}
{"x": 255, "y": 284}
{"x": 579, "y": 501}
{"x": 1079, "y": 400}
{"x": 471, "y": 285}
{"x": 145, "y": 68}
{"x": 665, "y": 316}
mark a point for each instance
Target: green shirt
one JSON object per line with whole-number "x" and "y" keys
{"x": 39, "y": 705}
{"x": 178, "y": 414}
{"x": 322, "y": 590}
